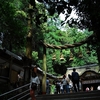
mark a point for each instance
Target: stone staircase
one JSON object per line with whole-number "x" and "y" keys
{"x": 91, "y": 95}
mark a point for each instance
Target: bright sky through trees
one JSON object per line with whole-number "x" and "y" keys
{"x": 73, "y": 15}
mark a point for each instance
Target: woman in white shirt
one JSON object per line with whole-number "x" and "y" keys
{"x": 34, "y": 83}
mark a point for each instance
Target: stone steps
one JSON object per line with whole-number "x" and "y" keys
{"x": 91, "y": 95}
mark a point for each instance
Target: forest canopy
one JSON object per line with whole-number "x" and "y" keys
{"x": 46, "y": 26}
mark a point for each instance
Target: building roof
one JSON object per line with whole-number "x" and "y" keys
{"x": 82, "y": 69}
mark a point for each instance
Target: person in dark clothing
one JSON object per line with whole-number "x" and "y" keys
{"x": 58, "y": 86}
{"x": 75, "y": 80}
{"x": 47, "y": 86}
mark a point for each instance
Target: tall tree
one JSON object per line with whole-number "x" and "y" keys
{"x": 13, "y": 25}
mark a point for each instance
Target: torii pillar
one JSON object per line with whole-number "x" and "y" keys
{"x": 44, "y": 71}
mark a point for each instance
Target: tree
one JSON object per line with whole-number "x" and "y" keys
{"x": 87, "y": 11}
{"x": 12, "y": 25}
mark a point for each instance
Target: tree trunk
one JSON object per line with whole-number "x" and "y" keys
{"x": 29, "y": 36}
{"x": 29, "y": 39}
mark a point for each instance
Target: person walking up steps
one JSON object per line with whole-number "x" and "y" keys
{"x": 47, "y": 86}
{"x": 61, "y": 88}
{"x": 75, "y": 80}
{"x": 58, "y": 86}
{"x": 34, "y": 84}
{"x": 64, "y": 80}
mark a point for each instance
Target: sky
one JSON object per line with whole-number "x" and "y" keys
{"x": 73, "y": 15}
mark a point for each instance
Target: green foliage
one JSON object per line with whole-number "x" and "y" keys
{"x": 45, "y": 28}
{"x": 56, "y": 37}
{"x": 34, "y": 55}
{"x": 13, "y": 25}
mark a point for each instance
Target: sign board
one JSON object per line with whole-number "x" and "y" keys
{"x": 91, "y": 81}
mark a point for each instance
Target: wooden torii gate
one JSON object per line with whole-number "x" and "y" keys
{"x": 45, "y": 45}
{"x": 66, "y": 46}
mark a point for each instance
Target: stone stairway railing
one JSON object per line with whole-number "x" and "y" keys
{"x": 20, "y": 93}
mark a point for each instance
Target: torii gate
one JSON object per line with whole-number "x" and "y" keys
{"x": 29, "y": 44}
{"x": 45, "y": 45}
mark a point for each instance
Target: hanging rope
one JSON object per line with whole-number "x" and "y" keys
{"x": 88, "y": 39}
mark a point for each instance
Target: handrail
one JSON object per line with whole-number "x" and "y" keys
{"x": 14, "y": 90}
{"x": 16, "y": 95}
{"x": 23, "y": 96}
{"x": 2, "y": 77}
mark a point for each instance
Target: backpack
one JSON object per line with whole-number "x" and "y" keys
{"x": 34, "y": 86}
{"x": 47, "y": 82}
{"x": 75, "y": 76}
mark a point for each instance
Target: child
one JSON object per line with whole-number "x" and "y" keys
{"x": 61, "y": 87}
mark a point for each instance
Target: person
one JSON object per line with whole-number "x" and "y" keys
{"x": 19, "y": 79}
{"x": 34, "y": 84}
{"x": 61, "y": 88}
{"x": 58, "y": 86}
{"x": 70, "y": 83}
{"x": 70, "y": 86}
{"x": 75, "y": 80}
{"x": 91, "y": 88}
{"x": 47, "y": 86}
{"x": 52, "y": 88}
{"x": 87, "y": 89}
{"x": 98, "y": 88}
{"x": 64, "y": 84}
